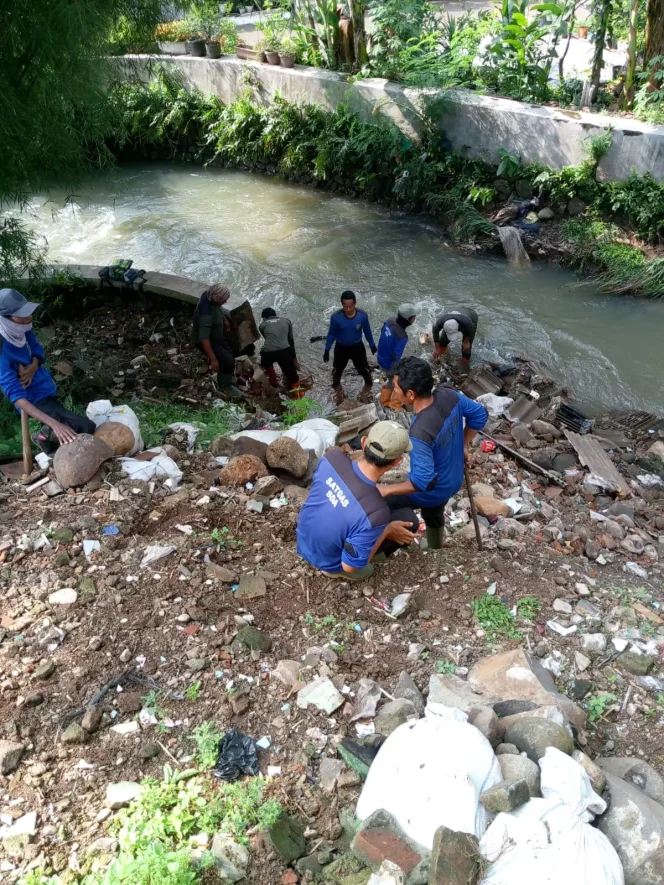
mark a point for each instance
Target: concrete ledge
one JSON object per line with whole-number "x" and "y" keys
{"x": 472, "y": 125}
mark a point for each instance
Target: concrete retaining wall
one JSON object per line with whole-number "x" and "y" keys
{"x": 167, "y": 284}
{"x": 472, "y": 125}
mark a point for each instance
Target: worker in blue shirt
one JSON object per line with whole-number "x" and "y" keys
{"x": 445, "y": 422}
{"x": 346, "y": 329}
{"x": 24, "y": 380}
{"x": 391, "y": 345}
{"x": 345, "y": 523}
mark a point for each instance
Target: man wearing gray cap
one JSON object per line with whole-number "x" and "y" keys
{"x": 26, "y": 382}
{"x": 345, "y": 523}
{"x": 454, "y": 324}
{"x": 391, "y": 345}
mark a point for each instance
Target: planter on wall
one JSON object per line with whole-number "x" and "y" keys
{"x": 287, "y": 60}
{"x": 197, "y": 48}
{"x": 213, "y": 50}
{"x": 272, "y": 58}
{"x": 170, "y": 48}
{"x": 249, "y": 54}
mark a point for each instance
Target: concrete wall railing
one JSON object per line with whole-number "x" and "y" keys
{"x": 475, "y": 126}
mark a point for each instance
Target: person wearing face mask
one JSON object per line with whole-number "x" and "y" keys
{"x": 26, "y": 382}
{"x": 211, "y": 321}
{"x": 452, "y": 325}
{"x": 391, "y": 345}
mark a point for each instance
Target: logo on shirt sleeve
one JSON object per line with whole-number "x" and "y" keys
{"x": 335, "y": 494}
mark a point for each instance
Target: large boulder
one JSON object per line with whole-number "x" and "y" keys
{"x": 247, "y": 445}
{"x": 287, "y": 454}
{"x": 117, "y": 436}
{"x": 516, "y": 675}
{"x": 637, "y": 773}
{"x": 533, "y": 736}
{"x": 241, "y": 470}
{"x": 78, "y": 461}
{"x": 492, "y": 507}
{"x": 634, "y": 825}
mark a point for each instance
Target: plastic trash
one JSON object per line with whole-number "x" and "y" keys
{"x": 103, "y": 410}
{"x": 161, "y": 467}
{"x": 90, "y": 547}
{"x": 431, "y": 772}
{"x": 237, "y": 755}
{"x": 388, "y": 874}
{"x": 265, "y": 436}
{"x": 550, "y": 840}
{"x": 154, "y": 553}
{"x": 495, "y": 405}
{"x": 110, "y": 530}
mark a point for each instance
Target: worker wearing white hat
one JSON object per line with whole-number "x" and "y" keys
{"x": 455, "y": 325}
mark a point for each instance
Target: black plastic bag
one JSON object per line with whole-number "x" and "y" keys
{"x": 237, "y": 755}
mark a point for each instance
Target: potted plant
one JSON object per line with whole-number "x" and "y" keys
{"x": 227, "y": 36}
{"x": 274, "y": 26}
{"x": 171, "y": 37}
{"x": 250, "y": 53}
{"x": 272, "y": 47}
{"x": 583, "y": 30}
{"x": 196, "y": 42}
{"x": 287, "y": 53}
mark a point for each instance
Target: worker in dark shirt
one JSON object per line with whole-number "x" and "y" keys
{"x": 26, "y": 382}
{"x": 279, "y": 348}
{"x": 346, "y": 329}
{"x": 439, "y": 440}
{"x": 345, "y": 523}
{"x": 454, "y": 324}
{"x": 391, "y": 345}
{"x": 211, "y": 321}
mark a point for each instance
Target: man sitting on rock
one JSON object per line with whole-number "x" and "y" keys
{"x": 445, "y": 422}
{"x": 345, "y": 523}
{"x": 24, "y": 380}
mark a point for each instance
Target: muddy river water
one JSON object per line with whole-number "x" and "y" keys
{"x": 296, "y": 249}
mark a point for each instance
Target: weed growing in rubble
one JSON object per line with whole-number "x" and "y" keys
{"x": 600, "y": 704}
{"x": 493, "y": 616}
{"x": 207, "y": 740}
{"x": 528, "y": 607}
{"x": 194, "y": 690}
{"x": 154, "y": 418}
{"x": 299, "y": 410}
{"x": 445, "y": 668}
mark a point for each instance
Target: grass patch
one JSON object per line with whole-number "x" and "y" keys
{"x": 206, "y": 737}
{"x": 600, "y": 704}
{"x": 494, "y": 617}
{"x": 154, "y": 418}
{"x": 154, "y": 831}
{"x": 528, "y": 607}
{"x": 298, "y": 410}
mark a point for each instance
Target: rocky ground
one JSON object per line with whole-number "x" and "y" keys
{"x": 113, "y": 662}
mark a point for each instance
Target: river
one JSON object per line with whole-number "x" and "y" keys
{"x": 296, "y": 249}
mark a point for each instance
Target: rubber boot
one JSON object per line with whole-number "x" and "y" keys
{"x": 339, "y": 395}
{"x": 227, "y": 388}
{"x": 365, "y": 394}
{"x": 433, "y": 540}
{"x": 272, "y": 376}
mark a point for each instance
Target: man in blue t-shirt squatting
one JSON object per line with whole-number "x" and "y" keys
{"x": 445, "y": 422}
{"x": 345, "y": 524}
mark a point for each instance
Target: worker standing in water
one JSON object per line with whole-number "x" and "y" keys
{"x": 452, "y": 325}
{"x": 346, "y": 329}
{"x": 391, "y": 345}
{"x": 279, "y": 348}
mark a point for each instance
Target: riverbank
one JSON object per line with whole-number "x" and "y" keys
{"x": 137, "y": 674}
{"x": 609, "y": 228}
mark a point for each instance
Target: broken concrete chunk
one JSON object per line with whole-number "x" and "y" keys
{"x": 518, "y": 767}
{"x": 251, "y": 587}
{"x": 10, "y": 756}
{"x": 455, "y": 858}
{"x": 320, "y": 694}
{"x": 393, "y": 714}
{"x": 121, "y": 794}
{"x": 506, "y": 796}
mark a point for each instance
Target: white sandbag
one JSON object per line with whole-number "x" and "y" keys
{"x": 161, "y": 467}
{"x": 495, "y": 405}
{"x": 550, "y": 841}
{"x": 265, "y": 436}
{"x": 431, "y": 772}
{"x": 103, "y": 410}
{"x": 316, "y": 434}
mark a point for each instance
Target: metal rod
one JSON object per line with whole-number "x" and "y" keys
{"x": 473, "y": 511}
{"x": 550, "y": 474}
{"x": 27, "y": 443}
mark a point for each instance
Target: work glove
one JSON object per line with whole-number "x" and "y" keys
{"x": 374, "y": 350}
{"x": 326, "y": 356}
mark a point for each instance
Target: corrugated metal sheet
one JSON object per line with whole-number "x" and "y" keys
{"x": 592, "y": 455}
{"x": 635, "y": 422}
{"x": 479, "y": 382}
{"x": 524, "y": 410}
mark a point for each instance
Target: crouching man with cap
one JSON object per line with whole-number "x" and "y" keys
{"x": 345, "y": 524}
{"x": 24, "y": 380}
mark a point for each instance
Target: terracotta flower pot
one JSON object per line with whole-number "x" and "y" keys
{"x": 583, "y": 32}
{"x": 272, "y": 57}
